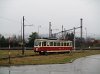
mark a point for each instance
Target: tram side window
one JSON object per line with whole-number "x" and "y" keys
{"x": 43, "y": 43}
{"x": 58, "y": 43}
{"x": 64, "y": 43}
{"x": 51, "y": 43}
{"x": 67, "y": 44}
{"x": 54, "y": 43}
{"x": 48, "y": 44}
{"x": 61, "y": 43}
{"x": 71, "y": 44}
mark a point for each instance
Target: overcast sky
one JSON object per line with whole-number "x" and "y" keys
{"x": 41, "y": 12}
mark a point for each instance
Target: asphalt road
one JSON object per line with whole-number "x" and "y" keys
{"x": 85, "y": 65}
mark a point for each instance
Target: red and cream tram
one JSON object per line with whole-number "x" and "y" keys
{"x": 45, "y": 45}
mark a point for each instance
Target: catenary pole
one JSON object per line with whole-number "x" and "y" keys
{"x": 81, "y": 23}
{"x": 74, "y": 39}
{"x": 23, "y": 38}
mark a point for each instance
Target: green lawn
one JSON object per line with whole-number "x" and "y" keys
{"x": 31, "y": 58}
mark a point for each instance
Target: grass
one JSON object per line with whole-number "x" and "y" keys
{"x": 31, "y": 58}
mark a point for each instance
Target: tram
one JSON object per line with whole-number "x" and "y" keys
{"x": 45, "y": 45}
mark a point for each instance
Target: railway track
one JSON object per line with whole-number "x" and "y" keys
{"x": 15, "y": 48}
{"x": 29, "y": 55}
{"x": 31, "y": 48}
{"x": 18, "y": 56}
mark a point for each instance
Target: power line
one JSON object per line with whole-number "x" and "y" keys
{"x": 8, "y": 19}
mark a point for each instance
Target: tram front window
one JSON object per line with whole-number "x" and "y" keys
{"x": 37, "y": 43}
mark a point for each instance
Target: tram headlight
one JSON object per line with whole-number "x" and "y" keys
{"x": 36, "y": 49}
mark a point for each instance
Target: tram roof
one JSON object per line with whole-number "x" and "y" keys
{"x": 50, "y": 40}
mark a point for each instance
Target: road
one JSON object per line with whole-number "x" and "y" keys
{"x": 85, "y": 65}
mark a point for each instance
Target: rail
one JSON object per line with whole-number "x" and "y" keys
{"x": 15, "y": 48}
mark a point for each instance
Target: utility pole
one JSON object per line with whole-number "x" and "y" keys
{"x": 81, "y": 23}
{"x": 74, "y": 38}
{"x": 50, "y": 30}
{"x": 86, "y": 33}
{"x": 9, "y": 51}
{"x": 21, "y": 41}
{"x": 62, "y": 33}
{"x": 23, "y": 38}
{"x": 38, "y": 30}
